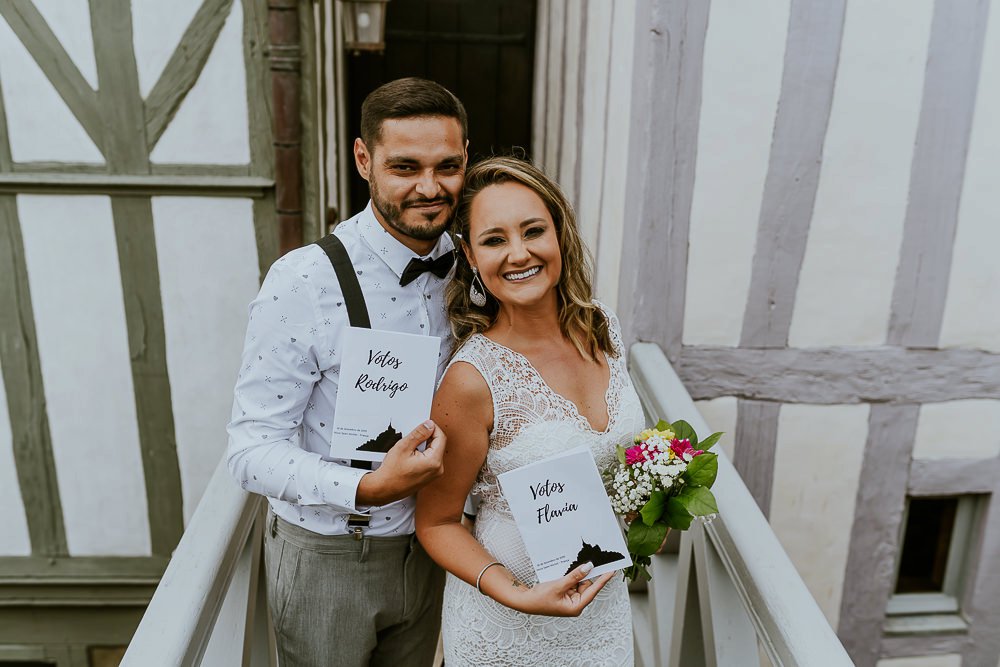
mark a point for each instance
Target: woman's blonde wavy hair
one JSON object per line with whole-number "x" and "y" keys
{"x": 579, "y": 319}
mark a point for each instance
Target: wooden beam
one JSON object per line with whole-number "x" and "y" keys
{"x": 123, "y": 122}
{"x": 259, "y": 103}
{"x": 874, "y": 538}
{"x": 937, "y": 171}
{"x": 811, "y": 55}
{"x": 127, "y": 152}
{"x": 840, "y": 375}
{"x": 663, "y": 146}
{"x": 38, "y": 38}
{"x": 946, "y": 477}
{"x": 286, "y": 86}
{"x": 184, "y": 67}
{"x": 22, "y": 377}
{"x": 62, "y": 569}
{"x": 755, "y": 444}
{"x": 137, "y": 257}
{"x": 114, "y": 184}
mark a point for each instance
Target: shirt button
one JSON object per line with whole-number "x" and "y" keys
{"x": 428, "y": 296}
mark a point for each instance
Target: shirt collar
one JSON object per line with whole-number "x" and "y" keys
{"x": 393, "y": 253}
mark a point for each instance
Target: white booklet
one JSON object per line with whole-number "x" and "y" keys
{"x": 564, "y": 515}
{"x": 386, "y": 386}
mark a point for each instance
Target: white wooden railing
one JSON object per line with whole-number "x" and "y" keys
{"x": 727, "y": 594}
{"x": 730, "y": 588}
{"x": 211, "y": 605}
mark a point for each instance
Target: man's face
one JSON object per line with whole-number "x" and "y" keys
{"x": 415, "y": 173}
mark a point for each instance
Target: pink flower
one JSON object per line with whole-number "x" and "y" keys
{"x": 682, "y": 447}
{"x": 637, "y": 454}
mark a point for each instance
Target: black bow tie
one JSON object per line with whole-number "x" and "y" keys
{"x": 439, "y": 267}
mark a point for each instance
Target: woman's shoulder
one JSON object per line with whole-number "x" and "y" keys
{"x": 465, "y": 383}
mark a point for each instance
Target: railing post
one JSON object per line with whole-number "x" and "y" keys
{"x": 729, "y": 635}
{"x": 687, "y": 645}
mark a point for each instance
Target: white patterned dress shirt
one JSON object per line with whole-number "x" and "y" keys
{"x": 285, "y": 398}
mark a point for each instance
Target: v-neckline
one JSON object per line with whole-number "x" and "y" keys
{"x": 582, "y": 418}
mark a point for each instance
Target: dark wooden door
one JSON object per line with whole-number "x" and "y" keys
{"x": 481, "y": 50}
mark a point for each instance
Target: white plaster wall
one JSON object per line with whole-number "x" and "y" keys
{"x": 616, "y": 156}
{"x": 208, "y": 275}
{"x": 972, "y": 312}
{"x": 14, "y": 537}
{"x": 817, "y": 465}
{"x": 948, "y": 660}
{"x": 958, "y": 429}
{"x": 157, "y": 28}
{"x": 720, "y": 415}
{"x": 40, "y": 125}
{"x": 743, "y": 62}
{"x": 70, "y": 22}
{"x": 76, "y": 293}
{"x": 845, "y": 286}
{"x": 212, "y": 125}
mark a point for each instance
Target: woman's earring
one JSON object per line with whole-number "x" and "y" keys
{"x": 477, "y": 294}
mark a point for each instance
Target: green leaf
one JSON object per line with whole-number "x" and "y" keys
{"x": 697, "y": 500}
{"x": 644, "y": 540}
{"x": 676, "y": 515}
{"x": 663, "y": 425}
{"x": 702, "y": 469}
{"x": 620, "y": 453}
{"x": 710, "y": 440}
{"x": 683, "y": 430}
{"x": 653, "y": 509}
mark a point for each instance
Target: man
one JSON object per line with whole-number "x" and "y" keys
{"x": 347, "y": 582}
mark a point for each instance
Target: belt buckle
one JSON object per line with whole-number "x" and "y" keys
{"x": 355, "y": 523}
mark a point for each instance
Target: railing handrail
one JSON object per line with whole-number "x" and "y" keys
{"x": 790, "y": 625}
{"x": 177, "y": 625}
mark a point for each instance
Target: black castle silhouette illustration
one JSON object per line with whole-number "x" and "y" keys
{"x": 383, "y": 442}
{"x": 593, "y": 553}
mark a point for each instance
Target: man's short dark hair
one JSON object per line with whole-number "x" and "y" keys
{"x": 411, "y": 97}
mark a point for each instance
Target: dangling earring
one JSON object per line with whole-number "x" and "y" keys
{"x": 477, "y": 295}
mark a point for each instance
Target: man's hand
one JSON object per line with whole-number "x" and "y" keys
{"x": 405, "y": 469}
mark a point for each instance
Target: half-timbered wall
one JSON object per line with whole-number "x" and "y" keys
{"x": 797, "y": 199}
{"x": 136, "y": 216}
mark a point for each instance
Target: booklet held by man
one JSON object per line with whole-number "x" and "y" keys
{"x": 386, "y": 386}
{"x": 564, "y": 516}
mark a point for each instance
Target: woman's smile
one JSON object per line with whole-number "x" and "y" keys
{"x": 522, "y": 275}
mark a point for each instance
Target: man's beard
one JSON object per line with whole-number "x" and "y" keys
{"x": 393, "y": 215}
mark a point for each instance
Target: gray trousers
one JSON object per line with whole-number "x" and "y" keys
{"x": 336, "y": 600}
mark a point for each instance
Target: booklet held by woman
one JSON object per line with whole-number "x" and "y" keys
{"x": 385, "y": 391}
{"x": 564, "y": 516}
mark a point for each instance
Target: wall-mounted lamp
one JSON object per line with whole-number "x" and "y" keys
{"x": 364, "y": 25}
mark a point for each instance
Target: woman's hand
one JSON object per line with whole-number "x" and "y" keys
{"x": 563, "y": 597}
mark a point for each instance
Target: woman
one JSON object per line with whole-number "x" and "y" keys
{"x": 539, "y": 369}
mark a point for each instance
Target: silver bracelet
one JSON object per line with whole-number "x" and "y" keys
{"x": 479, "y": 579}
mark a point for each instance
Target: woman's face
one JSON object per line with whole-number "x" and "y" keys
{"x": 513, "y": 243}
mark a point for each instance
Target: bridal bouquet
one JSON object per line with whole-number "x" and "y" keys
{"x": 661, "y": 482}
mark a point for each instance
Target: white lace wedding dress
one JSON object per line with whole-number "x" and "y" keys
{"x": 532, "y": 422}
